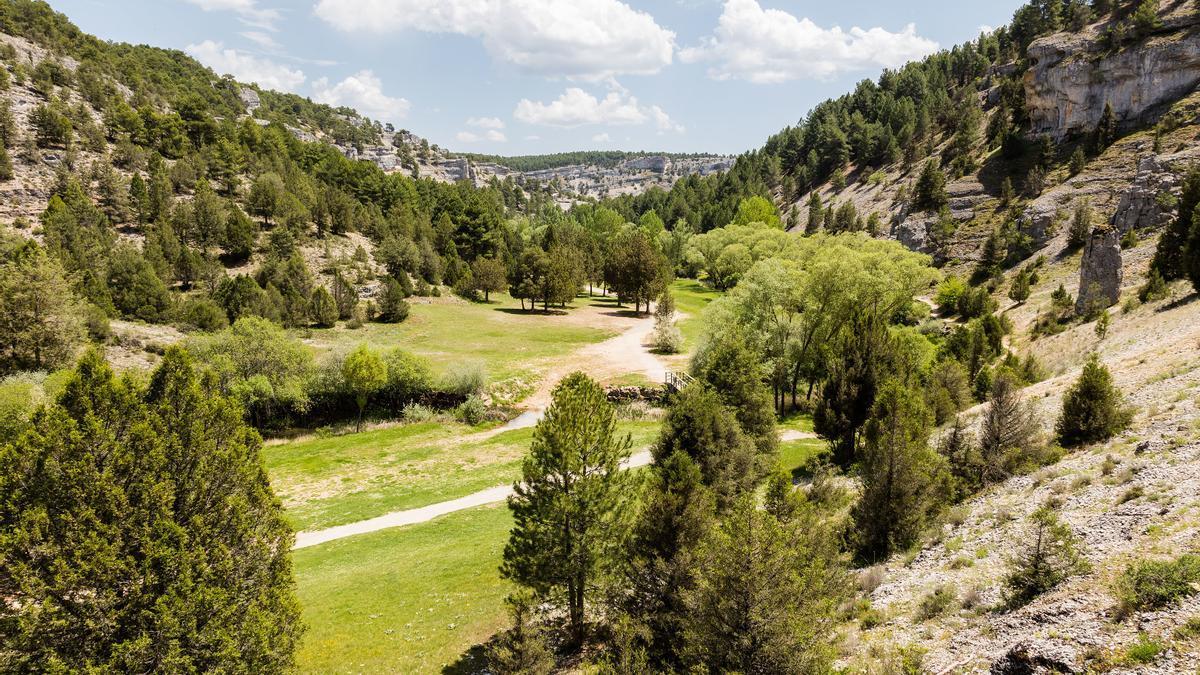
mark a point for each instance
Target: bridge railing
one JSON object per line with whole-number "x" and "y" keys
{"x": 676, "y": 381}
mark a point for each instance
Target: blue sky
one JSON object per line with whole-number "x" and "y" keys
{"x": 535, "y": 76}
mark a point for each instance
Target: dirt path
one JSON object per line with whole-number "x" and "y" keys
{"x": 427, "y": 513}
{"x": 481, "y": 498}
{"x": 796, "y": 435}
{"x": 625, "y": 353}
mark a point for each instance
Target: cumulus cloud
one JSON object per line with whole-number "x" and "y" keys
{"x": 246, "y": 67}
{"x": 769, "y": 46}
{"x": 663, "y": 121}
{"x": 601, "y": 138}
{"x": 247, "y": 11}
{"x": 485, "y": 122}
{"x": 362, "y": 91}
{"x": 588, "y": 39}
{"x": 576, "y": 108}
{"x": 472, "y": 137}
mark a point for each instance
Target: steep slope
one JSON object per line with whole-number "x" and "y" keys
{"x": 1133, "y": 498}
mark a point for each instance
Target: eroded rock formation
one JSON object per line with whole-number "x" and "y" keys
{"x": 1100, "y": 275}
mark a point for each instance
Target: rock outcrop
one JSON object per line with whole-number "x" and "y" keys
{"x": 1100, "y": 275}
{"x": 1149, "y": 201}
{"x": 1073, "y": 75}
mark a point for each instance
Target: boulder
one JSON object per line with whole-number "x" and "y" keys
{"x": 1100, "y": 275}
{"x": 1028, "y": 658}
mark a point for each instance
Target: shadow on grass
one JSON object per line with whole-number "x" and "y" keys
{"x": 535, "y": 312}
{"x": 627, "y": 314}
{"x": 471, "y": 662}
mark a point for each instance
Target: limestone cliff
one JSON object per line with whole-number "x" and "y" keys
{"x": 1073, "y": 75}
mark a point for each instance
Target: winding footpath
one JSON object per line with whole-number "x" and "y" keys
{"x": 628, "y": 349}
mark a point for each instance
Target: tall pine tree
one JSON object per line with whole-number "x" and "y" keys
{"x": 571, "y": 506}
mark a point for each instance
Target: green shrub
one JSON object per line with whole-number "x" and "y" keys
{"x": 1050, "y": 557}
{"x": 473, "y": 411}
{"x": 408, "y": 378}
{"x": 1144, "y": 651}
{"x": 948, "y": 293}
{"x": 936, "y": 603}
{"x": 1189, "y": 630}
{"x": 1093, "y": 409}
{"x": 1152, "y": 584}
{"x": 465, "y": 378}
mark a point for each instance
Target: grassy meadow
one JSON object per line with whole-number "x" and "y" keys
{"x": 507, "y": 341}
{"x": 691, "y": 297}
{"x": 343, "y": 479}
{"x": 405, "y": 600}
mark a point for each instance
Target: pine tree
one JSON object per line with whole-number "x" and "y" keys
{"x": 570, "y": 508}
{"x": 677, "y": 511}
{"x": 861, "y": 360}
{"x": 324, "y": 310}
{"x": 899, "y": 474}
{"x": 171, "y": 554}
{"x": 699, "y": 425}
{"x": 1019, "y": 291}
{"x": 1106, "y": 129}
{"x": 41, "y": 328}
{"x": 1081, "y": 225}
{"x": 930, "y": 194}
{"x": 815, "y": 213}
{"x": 392, "y": 306}
{"x": 344, "y": 295}
{"x": 1007, "y": 430}
{"x": 1093, "y": 409}
{"x": 521, "y": 650}
{"x": 1051, "y": 555}
{"x": 1169, "y": 257}
{"x": 6, "y": 167}
{"x": 1078, "y": 162}
{"x": 766, "y": 595}
{"x": 731, "y": 367}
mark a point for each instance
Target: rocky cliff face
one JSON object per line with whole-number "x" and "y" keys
{"x": 1073, "y": 76}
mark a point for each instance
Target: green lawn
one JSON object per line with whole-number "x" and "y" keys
{"x": 691, "y": 297}
{"x": 407, "y": 600}
{"x": 506, "y": 340}
{"x": 797, "y": 422}
{"x": 343, "y": 479}
{"x": 795, "y": 455}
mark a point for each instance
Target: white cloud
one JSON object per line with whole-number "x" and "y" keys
{"x": 601, "y": 138}
{"x": 663, "y": 121}
{"x": 472, "y": 137}
{"x": 245, "y": 67}
{"x": 576, "y": 108}
{"x": 485, "y": 122}
{"x": 362, "y": 91}
{"x": 769, "y": 46}
{"x": 248, "y": 11}
{"x": 261, "y": 39}
{"x": 589, "y": 39}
